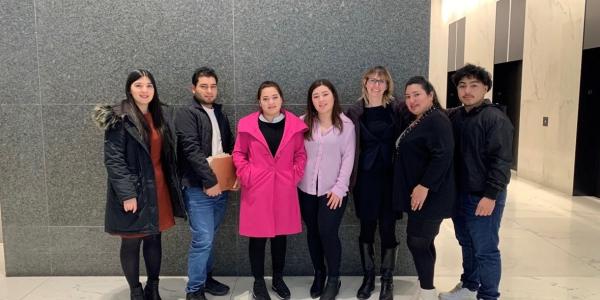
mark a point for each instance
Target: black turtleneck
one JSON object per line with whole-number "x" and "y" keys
{"x": 273, "y": 132}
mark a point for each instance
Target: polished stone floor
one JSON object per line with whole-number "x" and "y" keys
{"x": 550, "y": 246}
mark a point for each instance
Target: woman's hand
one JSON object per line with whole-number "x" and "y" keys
{"x": 418, "y": 196}
{"x": 130, "y": 205}
{"x": 333, "y": 201}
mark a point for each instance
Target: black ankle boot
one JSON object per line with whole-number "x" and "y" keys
{"x": 331, "y": 289}
{"x": 151, "y": 290}
{"x": 367, "y": 259}
{"x": 316, "y": 289}
{"x": 279, "y": 286}
{"x": 137, "y": 293}
{"x": 259, "y": 290}
{"x": 388, "y": 262}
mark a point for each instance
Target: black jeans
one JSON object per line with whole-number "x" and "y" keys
{"x": 256, "y": 249}
{"x": 322, "y": 226}
{"x": 420, "y": 240}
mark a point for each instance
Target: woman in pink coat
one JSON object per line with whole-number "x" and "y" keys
{"x": 269, "y": 156}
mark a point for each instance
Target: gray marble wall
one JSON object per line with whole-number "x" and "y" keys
{"x": 60, "y": 57}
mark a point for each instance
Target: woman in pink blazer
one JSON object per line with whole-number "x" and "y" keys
{"x": 269, "y": 156}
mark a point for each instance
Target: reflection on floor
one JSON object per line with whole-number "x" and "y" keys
{"x": 549, "y": 243}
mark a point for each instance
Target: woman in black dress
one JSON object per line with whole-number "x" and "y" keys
{"x": 424, "y": 177}
{"x": 376, "y": 116}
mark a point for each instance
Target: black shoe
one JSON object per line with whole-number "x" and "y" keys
{"x": 388, "y": 262}
{"x": 280, "y": 287}
{"x": 151, "y": 290}
{"x": 214, "y": 287}
{"x": 316, "y": 289}
{"x": 197, "y": 295}
{"x": 331, "y": 289}
{"x": 259, "y": 290}
{"x": 367, "y": 259}
{"x": 137, "y": 293}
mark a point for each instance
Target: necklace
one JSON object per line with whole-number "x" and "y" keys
{"x": 412, "y": 126}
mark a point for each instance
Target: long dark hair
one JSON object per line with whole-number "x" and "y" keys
{"x": 427, "y": 86}
{"x": 311, "y": 112}
{"x": 154, "y": 107}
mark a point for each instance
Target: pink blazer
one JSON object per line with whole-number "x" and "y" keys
{"x": 269, "y": 201}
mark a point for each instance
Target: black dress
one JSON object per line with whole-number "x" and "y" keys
{"x": 425, "y": 156}
{"x": 373, "y": 189}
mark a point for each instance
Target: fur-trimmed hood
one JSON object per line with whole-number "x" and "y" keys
{"x": 106, "y": 116}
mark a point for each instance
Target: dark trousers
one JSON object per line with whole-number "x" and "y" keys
{"x": 257, "y": 255}
{"x": 479, "y": 239}
{"x": 387, "y": 229}
{"x": 420, "y": 236}
{"x": 322, "y": 226}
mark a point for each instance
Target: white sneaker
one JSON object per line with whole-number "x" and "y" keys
{"x": 428, "y": 294}
{"x": 459, "y": 293}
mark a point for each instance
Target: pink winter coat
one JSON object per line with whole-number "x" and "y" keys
{"x": 269, "y": 202}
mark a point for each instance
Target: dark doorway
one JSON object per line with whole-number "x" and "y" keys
{"x": 587, "y": 153}
{"x": 507, "y": 93}
{"x": 451, "y": 93}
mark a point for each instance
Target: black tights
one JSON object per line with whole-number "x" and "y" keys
{"x": 420, "y": 240}
{"x": 257, "y": 255}
{"x": 423, "y": 252}
{"x": 130, "y": 258}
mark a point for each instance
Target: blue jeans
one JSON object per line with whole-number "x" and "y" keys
{"x": 205, "y": 215}
{"x": 478, "y": 238}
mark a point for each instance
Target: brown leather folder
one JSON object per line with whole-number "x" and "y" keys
{"x": 222, "y": 166}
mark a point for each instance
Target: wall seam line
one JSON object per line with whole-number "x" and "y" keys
{"x": 43, "y": 134}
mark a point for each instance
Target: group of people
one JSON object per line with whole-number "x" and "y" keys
{"x": 396, "y": 156}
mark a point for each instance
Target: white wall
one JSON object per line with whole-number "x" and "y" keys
{"x": 550, "y": 83}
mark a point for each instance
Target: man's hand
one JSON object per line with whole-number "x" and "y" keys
{"x": 236, "y": 185}
{"x": 213, "y": 191}
{"x": 485, "y": 207}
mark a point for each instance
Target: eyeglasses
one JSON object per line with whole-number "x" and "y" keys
{"x": 373, "y": 81}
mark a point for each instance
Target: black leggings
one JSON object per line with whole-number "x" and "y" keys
{"x": 420, "y": 240}
{"x": 322, "y": 226}
{"x": 130, "y": 258}
{"x": 257, "y": 255}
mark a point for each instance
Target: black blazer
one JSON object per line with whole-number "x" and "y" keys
{"x": 355, "y": 112}
{"x": 425, "y": 156}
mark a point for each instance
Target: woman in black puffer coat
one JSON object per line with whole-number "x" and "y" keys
{"x": 143, "y": 193}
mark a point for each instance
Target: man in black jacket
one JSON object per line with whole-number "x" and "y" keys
{"x": 202, "y": 130}
{"x": 483, "y": 136}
